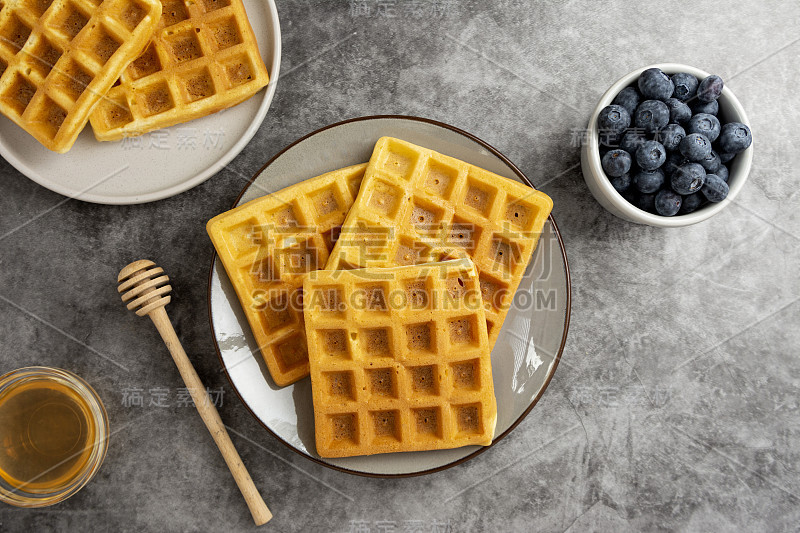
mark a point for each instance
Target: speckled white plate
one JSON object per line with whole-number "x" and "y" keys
{"x": 159, "y": 164}
{"x": 521, "y": 372}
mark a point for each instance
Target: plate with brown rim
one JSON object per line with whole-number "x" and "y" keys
{"x": 524, "y": 358}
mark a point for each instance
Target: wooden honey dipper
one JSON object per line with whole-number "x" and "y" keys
{"x": 145, "y": 288}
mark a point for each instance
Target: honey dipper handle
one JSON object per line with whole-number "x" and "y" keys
{"x": 259, "y": 510}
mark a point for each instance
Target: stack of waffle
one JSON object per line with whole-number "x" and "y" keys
{"x": 396, "y": 318}
{"x": 128, "y": 66}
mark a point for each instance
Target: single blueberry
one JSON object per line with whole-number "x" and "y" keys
{"x": 655, "y": 85}
{"x": 621, "y": 183}
{"x": 627, "y": 98}
{"x": 711, "y": 163}
{"x": 735, "y": 137}
{"x": 723, "y": 173}
{"x": 674, "y": 160}
{"x": 649, "y": 181}
{"x": 690, "y": 203}
{"x": 651, "y": 155}
{"x": 613, "y": 119}
{"x": 631, "y": 141}
{"x": 704, "y": 124}
{"x": 688, "y": 178}
{"x": 616, "y": 163}
{"x": 679, "y": 112}
{"x": 715, "y": 189}
{"x": 651, "y": 116}
{"x": 726, "y": 157}
{"x": 711, "y": 108}
{"x": 670, "y": 136}
{"x": 667, "y": 203}
{"x": 685, "y": 86}
{"x": 695, "y": 147}
{"x": 709, "y": 89}
{"x": 645, "y": 202}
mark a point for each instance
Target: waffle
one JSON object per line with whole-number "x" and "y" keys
{"x": 59, "y": 57}
{"x": 400, "y": 359}
{"x": 203, "y": 58}
{"x": 416, "y": 205}
{"x": 266, "y": 246}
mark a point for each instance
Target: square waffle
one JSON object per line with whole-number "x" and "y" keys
{"x": 267, "y": 245}
{"x": 416, "y": 205}
{"x": 203, "y": 58}
{"x": 59, "y": 57}
{"x": 400, "y": 359}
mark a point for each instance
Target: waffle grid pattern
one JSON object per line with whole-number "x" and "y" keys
{"x": 400, "y": 359}
{"x": 267, "y": 246}
{"x": 203, "y": 58}
{"x": 59, "y": 57}
{"x": 416, "y": 206}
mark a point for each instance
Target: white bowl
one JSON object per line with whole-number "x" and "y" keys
{"x": 730, "y": 110}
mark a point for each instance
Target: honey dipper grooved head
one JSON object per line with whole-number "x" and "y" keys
{"x": 144, "y": 286}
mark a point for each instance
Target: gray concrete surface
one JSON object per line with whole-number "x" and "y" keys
{"x": 680, "y": 377}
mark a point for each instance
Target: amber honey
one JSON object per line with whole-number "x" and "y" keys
{"x": 52, "y": 436}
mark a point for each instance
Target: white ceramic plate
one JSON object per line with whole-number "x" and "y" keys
{"x": 159, "y": 164}
{"x": 521, "y": 373}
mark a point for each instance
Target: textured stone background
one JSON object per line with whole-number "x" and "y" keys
{"x": 676, "y": 404}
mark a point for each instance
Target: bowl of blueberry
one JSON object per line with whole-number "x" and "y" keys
{"x": 668, "y": 145}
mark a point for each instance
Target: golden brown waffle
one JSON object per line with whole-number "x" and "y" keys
{"x": 203, "y": 58}
{"x": 268, "y": 244}
{"x": 400, "y": 359}
{"x": 416, "y": 205}
{"x": 59, "y": 57}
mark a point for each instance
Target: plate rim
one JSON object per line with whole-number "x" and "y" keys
{"x": 196, "y": 180}
{"x": 556, "y": 360}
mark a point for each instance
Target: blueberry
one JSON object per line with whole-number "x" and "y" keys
{"x": 651, "y": 116}
{"x": 704, "y": 124}
{"x": 685, "y": 86}
{"x": 709, "y": 89}
{"x": 726, "y": 157}
{"x": 655, "y": 85}
{"x": 735, "y": 137}
{"x": 631, "y": 141}
{"x": 651, "y": 155}
{"x": 667, "y": 202}
{"x": 616, "y": 163}
{"x": 670, "y": 136}
{"x": 722, "y": 172}
{"x": 649, "y": 181}
{"x": 674, "y": 160}
{"x": 711, "y": 163}
{"x": 627, "y": 98}
{"x": 621, "y": 183}
{"x": 688, "y": 178}
{"x": 695, "y": 147}
{"x": 613, "y": 119}
{"x": 715, "y": 189}
{"x": 712, "y": 108}
{"x": 679, "y": 112}
{"x": 690, "y": 203}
